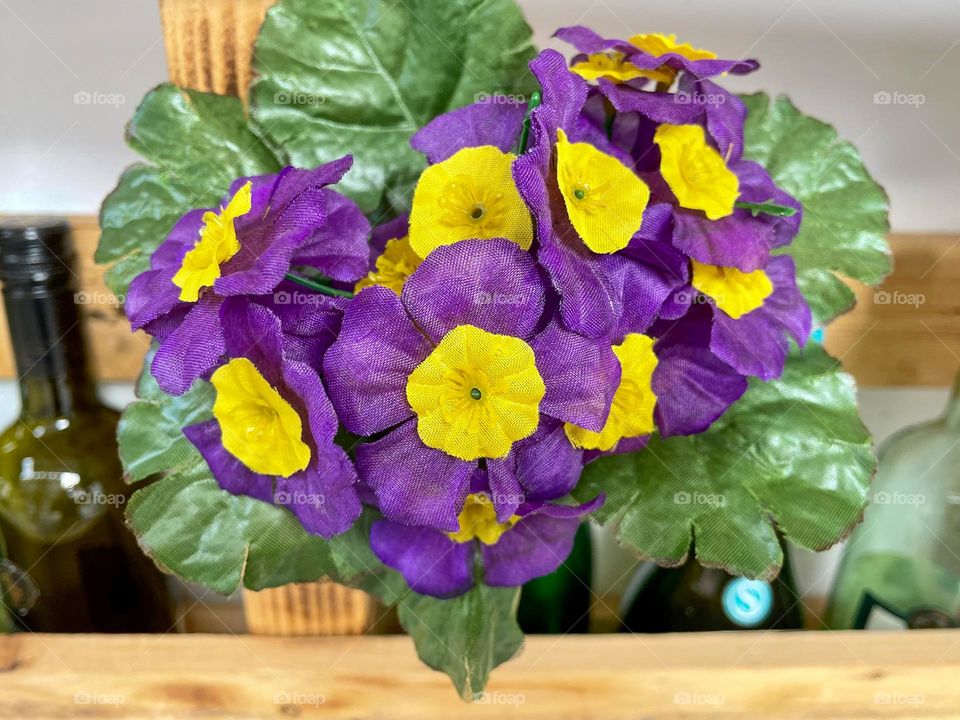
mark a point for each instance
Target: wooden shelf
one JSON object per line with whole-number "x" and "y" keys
{"x": 886, "y": 341}
{"x": 732, "y": 675}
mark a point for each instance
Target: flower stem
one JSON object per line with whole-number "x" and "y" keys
{"x": 525, "y": 132}
{"x": 318, "y": 286}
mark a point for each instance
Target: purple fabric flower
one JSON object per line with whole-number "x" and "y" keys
{"x": 323, "y": 494}
{"x": 495, "y": 121}
{"x": 601, "y": 295}
{"x": 293, "y": 219}
{"x": 493, "y": 287}
{"x": 535, "y": 540}
{"x": 586, "y": 40}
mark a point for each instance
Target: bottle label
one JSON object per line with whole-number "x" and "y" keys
{"x": 745, "y": 602}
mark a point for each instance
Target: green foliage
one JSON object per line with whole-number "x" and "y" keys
{"x": 844, "y": 227}
{"x": 361, "y": 77}
{"x": 792, "y": 451}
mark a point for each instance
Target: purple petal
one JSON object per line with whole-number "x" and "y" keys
{"x": 390, "y": 230}
{"x": 547, "y": 465}
{"x": 581, "y": 376}
{"x": 535, "y": 546}
{"x": 310, "y": 321}
{"x": 693, "y": 388}
{"x": 253, "y": 332}
{"x": 504, "y": 487}
{"x": 323, "y": 496}
{"x": 338, "y": 248}
{"x": 430, "y": 562}
{"x": 491, "y": 284}
{"x": 192, "y": 349}
{"x": 367, "y": 368}
{"x": 495, "y": 121}
{"x": 231, "y": 474}
{"x": 414, "y": 484}
{"x": 756, "y": 344}
{"x": 660, "y": 107}
{"x": 725, "y": 114}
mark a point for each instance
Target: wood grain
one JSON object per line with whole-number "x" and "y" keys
{"x": 210, "y": 42}
{"x": 731, "y": 675}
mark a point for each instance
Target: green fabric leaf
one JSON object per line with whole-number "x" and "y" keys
{"x": 466, "y": 636}
{"x": 793, "y": 451}
{"x": 361, "y": 77}
{"x": 844, "y": 228}
{"x": 200, "y": 143}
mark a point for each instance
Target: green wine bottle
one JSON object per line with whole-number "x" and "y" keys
{"x": 694, "y": 598}
{"x": 559, "y": 603}
{"x": 901, "y": 566}
{"x": 62, "y": 493}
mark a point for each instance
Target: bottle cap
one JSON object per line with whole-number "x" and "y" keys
{"x": 35, "y": 249}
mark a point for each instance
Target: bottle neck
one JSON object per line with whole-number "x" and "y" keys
{"x": 49, "y": 349}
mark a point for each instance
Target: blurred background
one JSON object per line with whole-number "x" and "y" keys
{"x": 884, "y": 73}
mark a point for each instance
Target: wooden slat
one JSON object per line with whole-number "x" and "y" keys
{"x": 907, "y": 333}
{"x": 209, "y": 42}
{"x": 734, "y": 675}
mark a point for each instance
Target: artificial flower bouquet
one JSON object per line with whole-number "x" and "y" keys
{"x": 411, "y": 336}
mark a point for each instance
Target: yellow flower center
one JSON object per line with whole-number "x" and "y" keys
{"x": 735, "y": 292}
{"x": 478, "y": 521}
{"x": 656, "y": 44}
{"x": 469, "y": 195}
{"x": 695, "y": 172}
{"x": 631, "y": 413}
{"x": 605, "y": 200}
{"x": 217, "y": 244}
{"x": 476, "y": 394}
{"x": 259, "y": 427}
{"x": 397, "y": 262}
{"x": 607, "y": 65}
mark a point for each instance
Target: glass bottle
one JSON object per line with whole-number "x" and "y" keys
{"x": 901, "y": 566}
{"x": 694, "y": 598}
{"x": 559, "y": 603}
{"x": 62, "y": 492}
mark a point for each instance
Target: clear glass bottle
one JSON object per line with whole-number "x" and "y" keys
{"x": 62, "y": 493}
{"x": 901, "y": 566}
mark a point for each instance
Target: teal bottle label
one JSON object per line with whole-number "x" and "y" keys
{"x": 747, "y": 603}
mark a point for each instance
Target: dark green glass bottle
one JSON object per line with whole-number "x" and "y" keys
{"x": 62, "y": 492}
{"x": 695, "y": 598}
{"x": 559, "y": 603}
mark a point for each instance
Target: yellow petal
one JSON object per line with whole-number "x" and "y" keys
{"x": 695, "y": 172}
{"x": 734, "y": 291}
{"x": 259, "y": 427}
{"x": 469, "y": 195}
{"x": 607, "y": 65}
{"x": 478, "y": 521}
{"x": 657, "y": 44}
{"x": 605, "y": 200}
{"x": 217, "y": 243}
{"x": 476, "y": 394}
{"x": 397, "y": 262}
{"x": 631, "y": 413}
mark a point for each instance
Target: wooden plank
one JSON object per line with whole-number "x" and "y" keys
{"x": 906, "y": 333}
{"x": 733, "y": 675}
